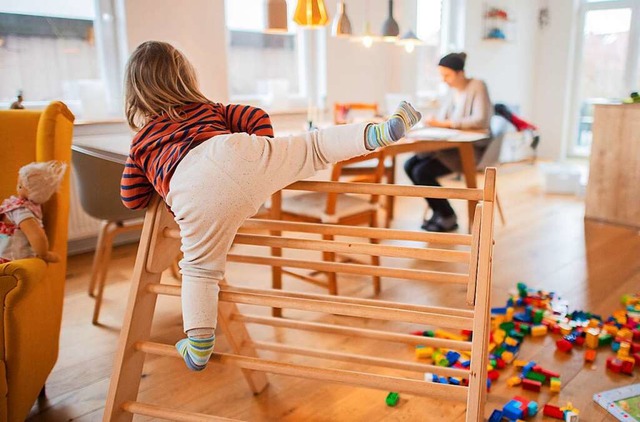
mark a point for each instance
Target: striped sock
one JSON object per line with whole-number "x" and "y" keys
{"x": 386, "y": 133}
{"x": 196, "y": 351}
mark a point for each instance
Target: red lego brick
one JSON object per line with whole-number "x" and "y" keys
{"x": 579, "y": 341}
{"x": 564, "y": 345}
{"x": 635, "y": 347}
{"x": 627, "y": 367}
{"x": 531, "y": 385}
{"x": 553, "y": 412}
{"x": 636, "y": 333}
{"x": 614, "y": 364}
{"x": 525, "y": 406}
{"x": 550, "y": 374}
{"x": 493, "y": 375}
{"x": 636, "y": 356}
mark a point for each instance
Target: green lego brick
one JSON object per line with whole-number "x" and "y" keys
{"x": 392, "y": 399}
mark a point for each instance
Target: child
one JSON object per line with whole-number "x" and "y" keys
{"x": 21, "y": 233}
{"x": 214, "y": 165}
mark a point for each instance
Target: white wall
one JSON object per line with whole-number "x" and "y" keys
{"x": 553, "y": 71}
{"x": 506, "y": 67}
{"x": 196, "y": 27}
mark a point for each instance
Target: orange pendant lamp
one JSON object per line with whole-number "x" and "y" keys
{"x": 311, "y": 13}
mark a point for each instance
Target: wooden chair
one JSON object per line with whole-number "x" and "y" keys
{"x": 158, "y": 247}
{"x": 331, "y": 207}
{"x": 100, "y": 198}
{"x": 366, "y": 168}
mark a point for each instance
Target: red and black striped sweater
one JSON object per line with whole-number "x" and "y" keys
{"x": 159, "y": 146}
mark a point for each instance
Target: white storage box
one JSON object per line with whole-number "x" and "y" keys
{"x": 561, "y": 178}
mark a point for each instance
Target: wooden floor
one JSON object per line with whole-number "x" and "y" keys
{"x": 546, "y": 244}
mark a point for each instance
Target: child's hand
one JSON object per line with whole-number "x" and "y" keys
{"x": 51, "y": 257}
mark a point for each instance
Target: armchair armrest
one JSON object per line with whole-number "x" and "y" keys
{"x": 18, "y": 278}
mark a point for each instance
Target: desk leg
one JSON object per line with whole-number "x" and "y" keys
{"x": 467, "y": 158}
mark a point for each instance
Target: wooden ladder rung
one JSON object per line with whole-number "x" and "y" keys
{"x": 169, "y": 414}
{"x": 389, "y": 190}
{"x": 362, "y": 232}
{"x": 430, "y": 254}
{"x": 380, "y": 382}
{"x": 360, "y": 359}
{"x": 338, "y": 267}
{"x": 461, "y": 346}
{"x": 331, "y": 305}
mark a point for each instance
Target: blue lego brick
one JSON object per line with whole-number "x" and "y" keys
{"x": 496, "y": 416}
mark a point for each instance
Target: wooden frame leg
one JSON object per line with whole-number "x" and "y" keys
{"x": 467, "y": 158}
{"x": 390, "y": 200}
{"x": 155, "y": 253}
{"x": 97, "y": 257}
{"x": 275, "y": 213}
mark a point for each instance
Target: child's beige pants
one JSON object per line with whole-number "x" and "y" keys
{"x": 222, "y": 182}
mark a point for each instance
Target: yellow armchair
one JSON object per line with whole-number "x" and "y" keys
{"x": 32, "y": 292}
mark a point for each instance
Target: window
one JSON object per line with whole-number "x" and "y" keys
{"x": 49, "y": 51}
{"x": 607, "y": 68}
{"x": 263, "y": 68}
{"x": 429, "y": 24}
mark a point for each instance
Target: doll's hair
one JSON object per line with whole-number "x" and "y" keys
{"x": 42, "y": 179}
{"x": 158, "y": 79}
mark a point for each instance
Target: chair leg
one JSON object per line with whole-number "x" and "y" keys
{"x": 98, "y": 258}
{"x": 111, "y": 232}
{"x": 331, "y": 276}
{"x": 390, "y": 201}
{"x": 375, "y": 260}
{"x": 500, "y": 213}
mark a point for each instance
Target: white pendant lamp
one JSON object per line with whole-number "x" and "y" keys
{"x": 409, "y": 40}
{"x": 341, "y": 23}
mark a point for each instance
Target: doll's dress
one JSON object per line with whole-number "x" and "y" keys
{"x": 13, "y": 242}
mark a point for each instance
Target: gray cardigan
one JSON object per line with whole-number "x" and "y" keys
{"x": 470, "y": 109}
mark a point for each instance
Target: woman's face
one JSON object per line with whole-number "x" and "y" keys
{"x": 451, "y": 77}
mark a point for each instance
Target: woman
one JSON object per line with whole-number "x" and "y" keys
{"x": 467, "y": 107}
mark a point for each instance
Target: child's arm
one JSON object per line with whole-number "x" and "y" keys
{"x": 135, "y": 189}
{"x": 38, "y": 239}
{"x": 248, "y": 119}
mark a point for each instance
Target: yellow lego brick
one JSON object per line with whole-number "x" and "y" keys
{"x": 507, "y": 356}
{"x": 624, "y": 349}
{"x": 509, "y": 316}
{"x": 448, "y": 335}
{"x": 594, "y": 323}
{"x": 513, "y": 381}
{"x": 565, "y": 329}
{"x": 519, "y": 364}
{"x": 555, "y": 385}
{"x": 424, "y": 352}
{"x": 611, "y": 329}
{"x": 539, "y": 330}
{"x": 625, "y": 333}
{"x": 511, "y": 341}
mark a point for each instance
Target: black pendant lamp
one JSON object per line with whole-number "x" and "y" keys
{"x": 390, "y": 29}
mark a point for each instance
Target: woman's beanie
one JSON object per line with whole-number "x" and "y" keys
{"x": 454, "y": 61}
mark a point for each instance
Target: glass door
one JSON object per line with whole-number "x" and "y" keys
{"x": 606, "y": 63}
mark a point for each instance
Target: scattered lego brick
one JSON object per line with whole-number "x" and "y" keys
{"x": 392, "y": 399}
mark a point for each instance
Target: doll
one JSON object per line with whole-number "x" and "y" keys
{"x": 21, "y": 231}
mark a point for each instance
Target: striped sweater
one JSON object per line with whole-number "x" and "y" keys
{"x": 159, "y": 146}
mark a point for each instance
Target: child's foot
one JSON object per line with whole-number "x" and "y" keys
{"x": 196, "y": 351}
{"x": 383, "y": 134}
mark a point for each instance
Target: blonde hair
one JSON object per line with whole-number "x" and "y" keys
{"x": 41, "y": 179}
{"x": 158, "y": 80}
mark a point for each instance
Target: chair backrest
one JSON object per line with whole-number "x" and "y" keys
{"x": 375, "y": 176}
{"x": 97, "y": 176}
{"x": 341, "y": 111}
{"x": 491, "y": 156}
